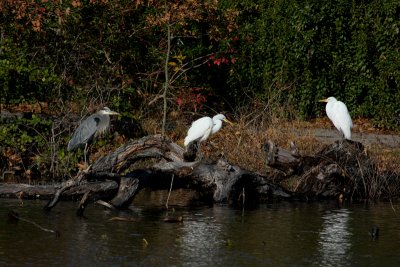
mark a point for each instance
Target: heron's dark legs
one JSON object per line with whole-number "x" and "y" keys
{"x": 84, "y": 153}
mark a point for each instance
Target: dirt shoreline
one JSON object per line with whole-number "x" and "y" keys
{"x": 330, "y": 135}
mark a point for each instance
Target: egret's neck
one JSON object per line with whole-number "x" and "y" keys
{"x": 329, "y": 105}
{"x": 217, "y": 126}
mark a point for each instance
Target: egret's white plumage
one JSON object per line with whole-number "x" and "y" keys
{"x": 339, "y": 115}
{"x": 202, "y": 128}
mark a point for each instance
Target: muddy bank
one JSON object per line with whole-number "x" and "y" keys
{"x": 330, "y": 135}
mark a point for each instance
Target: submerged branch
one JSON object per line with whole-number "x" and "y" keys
{"x": 15, "y": 216}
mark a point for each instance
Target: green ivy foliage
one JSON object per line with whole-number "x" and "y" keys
{"x": 22, "y": 80}
{"x": 25, "y": 134}
{"x": 295, "y": 52}
{"x": 347, "y": 49}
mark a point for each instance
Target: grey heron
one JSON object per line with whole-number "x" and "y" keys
{"x": 93, "y": 126}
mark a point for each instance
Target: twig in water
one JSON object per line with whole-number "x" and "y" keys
{"x": 105, "y": 204}
{"x": 15, "y": 215}
{"x": 243, "y": 196}
{"x": 170, "y": 189}
{"x": 391, "y": 204}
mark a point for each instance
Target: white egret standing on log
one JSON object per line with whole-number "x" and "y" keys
{"x": 93, "y": 126}
{"x": 202, "y": 128}
{"x": 339, "y": 115}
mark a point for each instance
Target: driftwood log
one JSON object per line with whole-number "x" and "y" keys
{"x": 164, "y": 161}
{"x": 340, "y": 169}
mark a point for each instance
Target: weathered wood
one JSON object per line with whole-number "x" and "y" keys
{"x": 126, "y": 192}
{"x": 154, "y": 146}
{"x": 70, "y": 183}
{"x": 281, "y": 159}
{"x": 103, "y": 189}
{"x": 216, "y": 182}
{"x": 26, "y": 191}
{"x": 83, "y": 203}
{"x": 191, "y": 151}
{"x": 342, "y": 168}
{"x": 150, "y": 162}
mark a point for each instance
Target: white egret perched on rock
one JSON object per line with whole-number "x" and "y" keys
{"x": 339, "y": 115}
{"x": 202, "y": 128}
{"x": 93, "y": 126}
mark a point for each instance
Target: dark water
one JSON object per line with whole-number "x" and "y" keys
{"x": 282, "y": 234}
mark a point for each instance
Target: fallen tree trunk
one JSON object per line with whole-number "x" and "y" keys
{"x": 103, "y": 190}
{"x": 342, "y": 168}
{"x": 164, "y": 161}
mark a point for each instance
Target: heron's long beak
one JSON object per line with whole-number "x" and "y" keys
{"x": 228, "y": 121}
{"x": 112, "y": 112}
{"x": 324, "y": 100}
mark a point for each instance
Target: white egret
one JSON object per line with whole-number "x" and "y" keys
{"x": 93, "y": 126}
{"x": 339, "y": 115}
{"x": 202, "y": 128}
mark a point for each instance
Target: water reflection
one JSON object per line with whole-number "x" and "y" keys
{"x": 283, "y": 234}
{"x": 334, "y": 238}
{"x": 200, "y": 240}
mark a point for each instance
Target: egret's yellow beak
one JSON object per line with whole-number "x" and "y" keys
{"x": 324, "y": 100}
{"x": 228, "y": 121}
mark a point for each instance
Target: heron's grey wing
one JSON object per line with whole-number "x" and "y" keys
{"x": 84, "y": 132}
